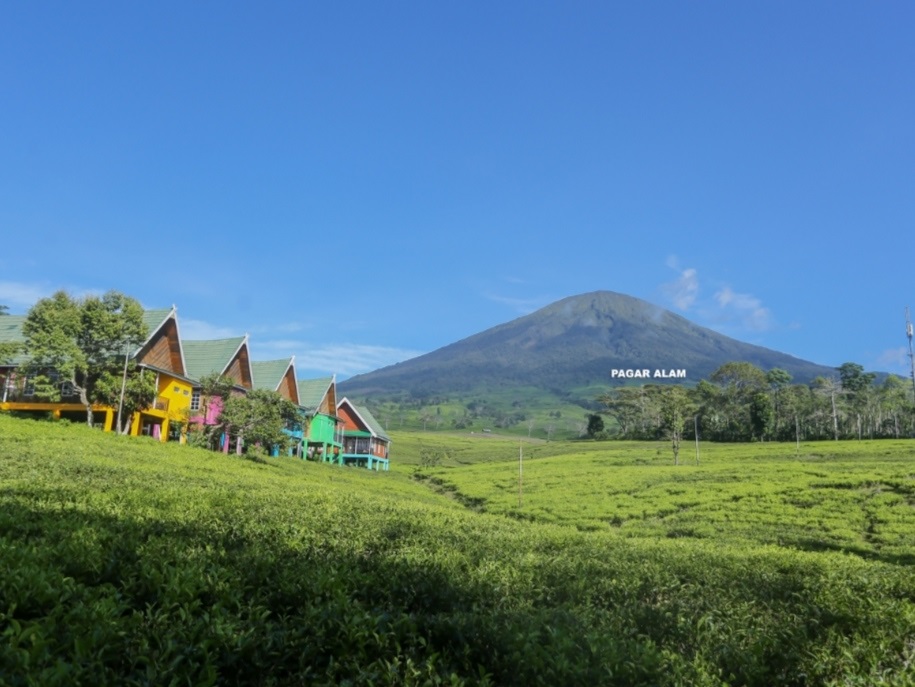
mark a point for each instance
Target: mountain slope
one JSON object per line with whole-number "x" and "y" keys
{"x": 573, "y": 343}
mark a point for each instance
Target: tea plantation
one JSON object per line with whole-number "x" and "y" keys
{"x": 128, "y": 562}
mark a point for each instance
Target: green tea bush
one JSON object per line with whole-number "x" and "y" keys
{"x": 136, "y": 563}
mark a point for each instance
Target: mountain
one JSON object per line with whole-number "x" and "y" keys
{"x": 572, "y": 344}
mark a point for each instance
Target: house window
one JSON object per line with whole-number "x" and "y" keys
{"x": 195, "y": 399}
{"x": 66, "y": 389}
{"x": 29, "y": 388}
{"x": 177, "y": 389}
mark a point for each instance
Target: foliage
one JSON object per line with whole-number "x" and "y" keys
{"x": 259, "y": 418}
{"x": 127, "y": 562}
{"x": 202, "y": 433}
{"x": 676, "y": 407}
{"x": 77, "y": 341}
{"x": 740, "y": 402}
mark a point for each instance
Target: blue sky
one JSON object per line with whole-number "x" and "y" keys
{"x": 357, "y": 183}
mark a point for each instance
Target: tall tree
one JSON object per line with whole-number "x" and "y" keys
{"x": 676, "y": 407}
{"x": 778, "y": 380}
{"x": 830, "y": 389}
{"x": 738, "y": 382}
{"x": 76, "y": 341}
{"x": 856, "y": 383}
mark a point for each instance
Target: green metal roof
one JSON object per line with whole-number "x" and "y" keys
{"x": 268, "y": 374}
{"x": 312, "y": 392}
{"x": 370, "y": 420}
{"x": 153, "y": 318}
{"x": 11, "y": 332}
{"x": 11, "y": 328}
{"x": 209, "y": 357}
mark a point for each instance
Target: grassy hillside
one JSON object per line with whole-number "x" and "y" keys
{"x": 124, "y": 561}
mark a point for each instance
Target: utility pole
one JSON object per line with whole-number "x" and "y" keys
{"x": 908, "y": 333}
{"x": 123, "y": 385}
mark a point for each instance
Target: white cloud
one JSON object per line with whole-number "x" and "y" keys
{"x": 894, "y": 360}
{"x": 20, "y": 296}
{"x": 198, "y": 329}
{"x": 747, "y": 309}
{"x": 521, "y": 305}
{"x": 345, "y": 359}
{"x": 684, "y": 291}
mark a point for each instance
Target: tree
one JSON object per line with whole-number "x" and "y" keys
{"x": 139, "y": 391}
{"x": 856, "y": 383}
{"x": 214, "y": 388}
{"x": 829, "y": 388}
{"x": 778, "y": 380}
{"x": 76, "y": 341}
{"x": 258, "y": 418}
{"x": 676, "y": 407}
{"x": 737, "y": 382}
{"x": 595, "y": 425}
{"x": 762, "y": 415}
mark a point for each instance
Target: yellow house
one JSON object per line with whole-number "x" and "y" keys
{"x": 162, "y": 354}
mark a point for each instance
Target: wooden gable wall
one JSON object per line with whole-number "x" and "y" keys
{"x": 329, "y": 402}
{"x": 239, "y": 369}
{"x": 350, "y": 419}
{"x": 163, "y": 350}
{"x": 288, "y": 388}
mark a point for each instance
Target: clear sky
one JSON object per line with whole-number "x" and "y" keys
{"x": 356, "y": 183}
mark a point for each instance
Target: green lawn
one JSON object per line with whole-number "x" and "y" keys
{"x": 128, "y": 562}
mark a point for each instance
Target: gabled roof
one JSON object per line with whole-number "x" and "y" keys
{"x": 209, "y": 357}
{"x": 268, "y": 374}
{"x": 156, "y": 321}
{"x": 313, "y": 391}
{"x": 367, "y": 419}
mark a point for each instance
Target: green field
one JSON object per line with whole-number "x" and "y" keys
{"x": 125, "y": 561}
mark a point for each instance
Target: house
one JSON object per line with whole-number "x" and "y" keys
{"x": 279, "y": 376}
{"x": 365, "y": 443}
{"x": 162, "y": 354}
{"x": 17, "y": 394}
{"x": 321, "y": 435}
{"x": 228, "y": 358}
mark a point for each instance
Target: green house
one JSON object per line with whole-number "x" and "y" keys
{"x": 322, "y": 437}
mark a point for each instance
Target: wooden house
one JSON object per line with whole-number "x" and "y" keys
{"x": 18, "y": 394}
{"x": 228, "y": 358}
{"x": 279, "y": 376}
{"x": 321, "y": 432}
{"x": 365, "y": 443}
{"x": 162, "y": 354}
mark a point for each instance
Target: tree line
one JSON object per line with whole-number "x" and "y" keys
{"x": 741, "y": 402}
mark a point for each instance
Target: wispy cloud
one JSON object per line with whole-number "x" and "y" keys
{"x": 894, "y": 360}
{"x": 727, "y": 308}
{"x": 746, "y": 309}
{"x": 684, "y": 290}
{"x": 345, "y": 359}
{"x": 521, "y": 305}
{"x": 198, "y": 329}
{"x": 20, "y": 296}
